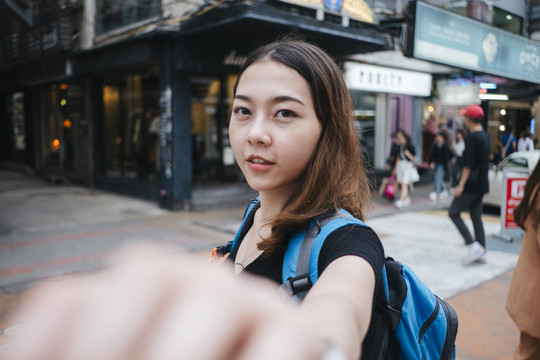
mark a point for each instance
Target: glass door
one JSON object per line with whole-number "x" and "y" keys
{"x": 61, "y": 108}
{"x": 211, "y": 100}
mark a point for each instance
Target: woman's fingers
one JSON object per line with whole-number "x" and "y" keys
{"x": 119, "y": 308}
{"x": 44, "y": 320}
{"x": 160, "y": 308}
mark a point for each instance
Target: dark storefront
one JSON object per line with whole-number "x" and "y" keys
{"x": 149, "y": 116}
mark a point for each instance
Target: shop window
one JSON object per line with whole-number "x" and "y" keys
{"x": 16, "y": 118}
{"x": 211, "y": 102}
{"x": 364, "y": 111}
{"x": 114, "y": 14}
{"x": 507, "y": 21}
{"x": 130, "y": 125}
{"x": 205, "y": 128}
{"x": 61, "y": 109}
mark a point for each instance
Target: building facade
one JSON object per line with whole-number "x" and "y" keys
{"x": 134, "y": 96}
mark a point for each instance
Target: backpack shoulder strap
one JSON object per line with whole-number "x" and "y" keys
{"x": 248, "y": 219}
{"x": 226, "y": 248}
{"x": 301, "y": 261}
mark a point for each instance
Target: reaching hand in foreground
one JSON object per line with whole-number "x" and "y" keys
{"x": 159, "y": 308}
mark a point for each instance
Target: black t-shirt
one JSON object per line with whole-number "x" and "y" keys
{"x": 348, "y": 240}
{"x": 441, "y": 154}
{"x": 476, "y": 158}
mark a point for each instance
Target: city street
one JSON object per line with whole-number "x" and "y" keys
{"x": 49, "y": 230}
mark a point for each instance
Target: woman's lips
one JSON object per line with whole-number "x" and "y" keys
{"x": 258, "y": 163}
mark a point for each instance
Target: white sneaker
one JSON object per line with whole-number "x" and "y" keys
{"x": 475, "y": 252}
{"x": 481, "y": 259}
{"x": 433, "y": 196}
{"x": 443, "y": 195}
{"x": 403, "y": 203}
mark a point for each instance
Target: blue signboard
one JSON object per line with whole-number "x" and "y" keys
{"x": 452, "y": 39}
{"x": 334, "y": 5}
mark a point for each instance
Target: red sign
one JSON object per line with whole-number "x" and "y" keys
{"x": 514, "y": 193}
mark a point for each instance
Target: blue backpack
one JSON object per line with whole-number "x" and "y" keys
{"x": 408, "y": 321}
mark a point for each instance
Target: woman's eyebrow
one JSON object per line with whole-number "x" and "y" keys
{"x": 274, "y": 100}
{"x": 284, "y": 98}
{"x": 242, "y": 97}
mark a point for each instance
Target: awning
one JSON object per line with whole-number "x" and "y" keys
{"x": 255, "y": 23}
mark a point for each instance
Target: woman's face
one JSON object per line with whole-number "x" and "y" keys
{"x": 274, "y": 130}
{"x": 400, "y": 139}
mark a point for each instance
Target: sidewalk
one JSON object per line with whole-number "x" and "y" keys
{"x": 52, "y": 230}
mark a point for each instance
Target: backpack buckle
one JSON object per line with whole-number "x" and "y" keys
{"x": 224, "y": 249}
{"x": 300, "y": 283}
{"x": 220, "y": 251}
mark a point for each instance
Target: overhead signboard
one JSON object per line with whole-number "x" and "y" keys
{"x": 458, "y": 95}
{"x": 388, "y": 80}
{"x": 355, "y": 9}
{"x": 448, "y": 38}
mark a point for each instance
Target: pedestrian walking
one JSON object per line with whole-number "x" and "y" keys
{"x": 525, "y": 142}
{"x": 296, "y": 143}
{"x": 459, "y": 148}
{"x": 524, "y": 291}
{"x": 439, "y": 159}
{"x": 406, "y": 173}
{"x": 472, "y": 186}
{"x": 508, "y": 143}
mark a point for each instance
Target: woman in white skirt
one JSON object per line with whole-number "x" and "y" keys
{"x": 406, "y": 172}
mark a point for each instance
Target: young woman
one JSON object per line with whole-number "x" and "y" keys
{"x": 406, "y": 173}
{"x": 525, "y": 142}
{"x": 292, "y": 133}
{"x": 524, "y": 292}
{"x": 459, "y": 148}
{"x": 440, "y": 156}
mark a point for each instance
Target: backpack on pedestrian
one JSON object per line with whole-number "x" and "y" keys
{"x": 408, "y": 321}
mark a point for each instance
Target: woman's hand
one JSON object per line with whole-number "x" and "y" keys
{"x": 158, "y": 308}
{"x": 409, "y": 155}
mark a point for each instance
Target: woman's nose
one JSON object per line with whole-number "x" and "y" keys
{"x": 259, "y": 132}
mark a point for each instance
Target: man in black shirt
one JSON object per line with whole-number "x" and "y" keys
{"x": 473, "y": 184}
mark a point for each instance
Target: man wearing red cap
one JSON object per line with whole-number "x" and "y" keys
{"x": 473, "y": 184}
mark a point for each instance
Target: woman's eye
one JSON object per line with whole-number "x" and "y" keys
{"x": 285, "y": 113}
{"x": 242, "y": 111}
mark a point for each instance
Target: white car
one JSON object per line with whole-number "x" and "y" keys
{"x": 516, "y": 162}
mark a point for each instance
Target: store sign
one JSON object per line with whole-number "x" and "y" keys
{"x": 232, "y": 58}
{"x": 387, "y": 80}
{"x": 458, "y": 95}
{"x": 449, "y": 38}
{"x": 515, "y": 188}
{"x": 50, "y": 39}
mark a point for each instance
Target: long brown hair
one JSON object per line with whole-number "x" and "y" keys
{"x": 529, "y": 204}
{"x": 335, "y": 177}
